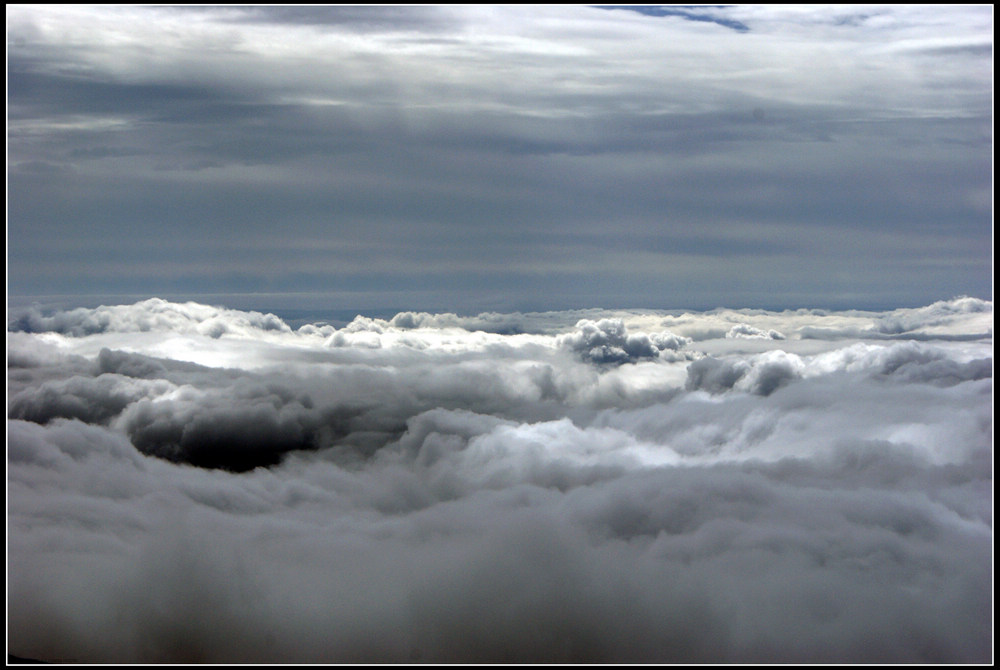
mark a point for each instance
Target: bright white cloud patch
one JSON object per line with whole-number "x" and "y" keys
{"x": 191, "y": 483}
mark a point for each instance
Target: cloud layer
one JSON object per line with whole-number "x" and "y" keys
{"x": 503, "y": 158}
{"x": 191, "y": 483}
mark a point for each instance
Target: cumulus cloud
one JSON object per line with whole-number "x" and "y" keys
{"x": 154, "y": 314}
{"x": 608, "y": 341}
{"x": 747, "y": 331}
{"x": 92, "y": 400}
{"x": 597, "y": 492}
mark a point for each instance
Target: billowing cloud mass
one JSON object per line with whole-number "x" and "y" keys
{"x": 190, "y": 483}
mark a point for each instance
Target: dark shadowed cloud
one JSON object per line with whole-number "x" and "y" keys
{"x": 501, "y": 157}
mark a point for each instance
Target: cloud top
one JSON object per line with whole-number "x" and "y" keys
{"x": 154, "y": 314}
{"x": 608, "y": 341}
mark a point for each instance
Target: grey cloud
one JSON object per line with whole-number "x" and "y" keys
{"x": 745, "y": 330}
{"x": 91, "y": 400}
{"x": 129, "y": 365}
{"x": 461, "y": 495}
{"x": 657, "y": 529}
{"x": 961, "y": 318}
{"x": 608, "y": 341}
{"x": 551, "y": 322}
{"x": 909, "y": 361}
{"x": 255, "y": 430}
{"x": 202, "y": 415}
{"x": 475, "y": 479}
{"x": 714, "y": 375}
{"x": 949, "y": 373}
{"x": 915, "y": 363}
{"x": 360, "y": 19}
{"x": 460, "y": 126}
{"x": 44, "y": 94}
{"x": 762, "y": 375}
{"x": 62, "y": 443}
{"x": 25, "y": 351}
{"x": 41, "y": 168}
{"x": 940, "y": 313}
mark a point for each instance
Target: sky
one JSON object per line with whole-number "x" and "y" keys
{"x": 503, "y": 158}
{"x": 191, "y": 483}
{"x": 500, "y": 334}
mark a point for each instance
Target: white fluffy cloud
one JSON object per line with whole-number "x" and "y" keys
{"x": 461, "y": 493}
{"x": 748, "y": 331}
{"x": 150, "y": 315}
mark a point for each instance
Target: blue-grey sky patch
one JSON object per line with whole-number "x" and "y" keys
{"x": 690, "y": 12}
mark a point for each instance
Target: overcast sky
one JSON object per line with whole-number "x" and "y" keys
{"x": 503, "y": 157}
